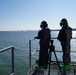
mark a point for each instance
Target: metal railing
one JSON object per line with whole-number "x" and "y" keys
{"x": 31, "y": 53}
{"x": 12, "y": 50}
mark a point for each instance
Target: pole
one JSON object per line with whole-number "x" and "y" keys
{"x": 50, "y": 54}
{"x": 12, "y": 60}
{"x": 29, "y": 53}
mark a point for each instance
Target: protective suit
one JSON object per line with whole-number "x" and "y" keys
{"x": 64, "y": 37}
{"x": 44, "y": 36}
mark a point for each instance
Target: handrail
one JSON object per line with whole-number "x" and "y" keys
{"x": 56, "y": 38}
{"x": 31, "y": 53}
{"x": 6, "y": 49}
{"x": 73, "y": 29}
{"x": 55, "y": 51}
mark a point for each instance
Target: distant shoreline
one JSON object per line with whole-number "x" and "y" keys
{"x": 19, "y": 30}
{"x": 74, "y": 29}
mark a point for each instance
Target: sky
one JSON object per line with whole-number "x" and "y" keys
{"x": 28, "y": 14}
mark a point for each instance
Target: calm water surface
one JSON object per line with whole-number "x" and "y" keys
{"x": 20, "y": 40}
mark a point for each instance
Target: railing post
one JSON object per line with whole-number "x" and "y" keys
{"x": 29, "y": 53}
{"x": 12, "y": 60}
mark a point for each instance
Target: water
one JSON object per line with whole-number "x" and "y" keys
{"x": 20, "y": 40}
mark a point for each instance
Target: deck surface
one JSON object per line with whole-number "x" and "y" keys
{"x": 54, "y": 70}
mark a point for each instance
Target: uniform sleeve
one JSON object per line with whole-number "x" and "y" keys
{"x": 39, "y": 36}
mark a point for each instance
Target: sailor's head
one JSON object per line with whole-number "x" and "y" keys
{"x": 43, "y": 24}
{"x": 64, "y": 23}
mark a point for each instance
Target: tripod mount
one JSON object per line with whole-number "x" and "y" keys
{"x": 52, "y": 49}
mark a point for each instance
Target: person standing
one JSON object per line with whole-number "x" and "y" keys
{"x": 65, "y": 36}
{"x": 44, "y": 36}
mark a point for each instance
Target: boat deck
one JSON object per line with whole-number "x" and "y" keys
{"x": 54, "y": 70}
